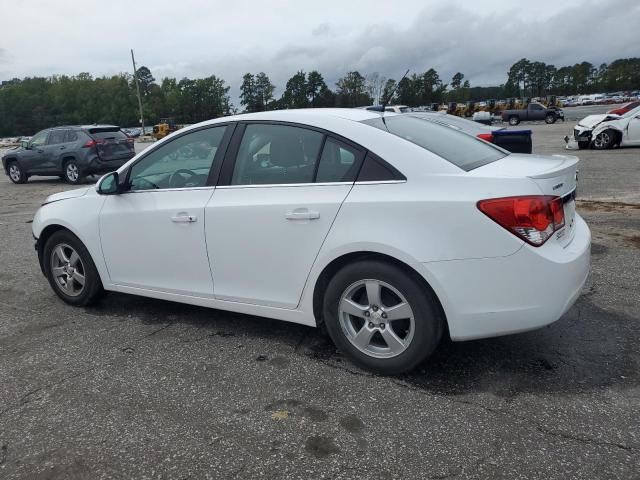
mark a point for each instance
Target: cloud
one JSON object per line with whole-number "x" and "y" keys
{"x": 199, "y": 39}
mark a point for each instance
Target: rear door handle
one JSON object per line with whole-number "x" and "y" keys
{"x": 302, "y": 214}
{"x": 184, "y": 218}
{"x": 62, "y": 147}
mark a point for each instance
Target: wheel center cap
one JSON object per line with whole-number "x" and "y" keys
{"x": 376, "y": 316}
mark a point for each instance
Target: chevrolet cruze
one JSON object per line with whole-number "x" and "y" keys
{"x": 391, "y": 231}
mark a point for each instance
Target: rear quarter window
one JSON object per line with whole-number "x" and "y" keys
{"x": 464, "y": 151}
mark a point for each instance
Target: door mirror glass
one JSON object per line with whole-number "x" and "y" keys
{"x": 108, "y": 185}
{"x": 25, "y": 144}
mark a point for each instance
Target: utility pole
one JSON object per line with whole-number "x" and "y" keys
{"x": 135, "y": 76}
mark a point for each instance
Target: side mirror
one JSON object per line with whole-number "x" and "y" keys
{"x": 25, "y": 144}
{"x": 108, "y": 185}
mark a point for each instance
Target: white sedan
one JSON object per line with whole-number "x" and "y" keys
{"x": 391, "y": 231}
{"x": 606, "y": 131}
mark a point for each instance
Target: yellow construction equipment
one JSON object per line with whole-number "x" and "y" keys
{"x": 165, "y": 127}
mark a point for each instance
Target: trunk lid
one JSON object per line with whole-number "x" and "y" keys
{"x": 112, "y": 143}
{"x": 555, "y": 175}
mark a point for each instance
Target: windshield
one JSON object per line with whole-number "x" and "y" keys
{"x": 462, "y": 150}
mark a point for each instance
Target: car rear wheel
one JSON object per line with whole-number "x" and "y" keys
{"x": 70, "y": 269}
{"x": 604, "y": 140}
{"x": 550, "y": 118}
{"x": 382, "y": 316}
{"x": 72, "y": 172}
{"x": 16, "y": 174}
{"x": 514, "y": 120}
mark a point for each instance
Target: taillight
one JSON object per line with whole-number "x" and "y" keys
{"x": 487, "y": 137}
{"x": 92, "y": 143}
{"x": 533, "y": 218}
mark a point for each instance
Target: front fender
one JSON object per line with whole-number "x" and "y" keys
{"x": 79, "y": 215}
{"x": 605, "y": 126}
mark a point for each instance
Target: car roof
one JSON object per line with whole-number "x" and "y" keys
{"x": 306, "y": 116}
{"x": 82, "y": 127}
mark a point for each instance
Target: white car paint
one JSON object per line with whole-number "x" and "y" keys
{"x": 627, "y": 125}
{"x": 241, "y": 253}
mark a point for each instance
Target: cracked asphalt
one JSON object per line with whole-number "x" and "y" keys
{"x": 141, "y": 388}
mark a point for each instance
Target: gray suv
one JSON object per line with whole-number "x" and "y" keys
{"x": 69, "y": 152}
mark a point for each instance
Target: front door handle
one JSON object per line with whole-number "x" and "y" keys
{"x": 184, "y": 218}
{"x": 302, "y": 214}
{"x": 62, "y": 147}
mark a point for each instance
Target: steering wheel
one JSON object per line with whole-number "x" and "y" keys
{"x": 173, "y": 179}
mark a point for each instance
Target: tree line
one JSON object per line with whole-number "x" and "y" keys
{"x": 33, "y": 103}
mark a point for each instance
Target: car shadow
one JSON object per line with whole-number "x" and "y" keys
{"x": 588, "y": 349}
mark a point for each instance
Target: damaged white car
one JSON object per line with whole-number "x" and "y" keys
{"x": 606, "y": 131}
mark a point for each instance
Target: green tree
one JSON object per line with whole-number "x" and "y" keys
{"x": 352, "y": 91}
{"x": 296, "y": 92}
{"x": 456, "y": 81}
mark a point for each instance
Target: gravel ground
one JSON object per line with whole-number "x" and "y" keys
{"x": 140, "y": 388}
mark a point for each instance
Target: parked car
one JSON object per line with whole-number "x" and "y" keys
{"x": 606, "y": 131}
{"x": 515, "y": 141}
{"x": 69, "y": 152}
{"x": 389, "y": 230}
{"x": 624, "y": 108}
{"x": 534, "y": 111}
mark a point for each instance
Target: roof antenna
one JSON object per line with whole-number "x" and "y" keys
{"x": 390, "y": 95}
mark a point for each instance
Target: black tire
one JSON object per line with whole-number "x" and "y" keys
{"x": 72, "y": 173}
{"x": 428, "y": 323}
{"x": 16, "y": 172}
{"x": 550, "y": 118}
{"x": 604, "y": 140}
{"x": 514, "y": 120}
{"x": 92, "y": 288}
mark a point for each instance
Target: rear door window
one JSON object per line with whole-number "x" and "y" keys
{"x": 56, "y": 137}
{"x": 72, "y": 136}
{"x": 339, "y": 163}
{"x": 276, "y": 154}
{"x": 464, "y": 151}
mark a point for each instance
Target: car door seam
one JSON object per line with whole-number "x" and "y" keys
{"x": 315, "y": 259}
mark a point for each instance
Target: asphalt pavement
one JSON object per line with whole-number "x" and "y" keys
{"x": 141, "y": 388}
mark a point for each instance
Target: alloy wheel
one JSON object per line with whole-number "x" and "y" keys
{"x": 376, "y": 318}
{"x": 602, "y": 140}
{"x": 72, "y": 172}
{"x": 14, "y": 172}
{"x": 68, "y": 270}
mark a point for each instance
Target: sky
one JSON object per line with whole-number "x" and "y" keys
{"x": 197, "y": 38}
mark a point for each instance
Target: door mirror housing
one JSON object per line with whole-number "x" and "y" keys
{"x": 25, "y": 144}
{"x": 109, "y": 184}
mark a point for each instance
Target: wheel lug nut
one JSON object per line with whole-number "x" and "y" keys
{"x": 371, "y": 325}
{"x": 375, "y": 308}
{"x": 382, "y": 326}
{"x": 384, "y": 315}
{"x": 366, "y": 314}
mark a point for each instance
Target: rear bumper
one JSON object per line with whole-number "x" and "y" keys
{"x": 527, "y": 290}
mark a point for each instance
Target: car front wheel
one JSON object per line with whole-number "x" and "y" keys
{"x": 72, "y": 172}
{"x": 549, "y": 119}
{"x": 604, "y": 140}
{"x": 70, "y": 269}
{"x": 382, "y": 316}
{"x": 16, "y": 174}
